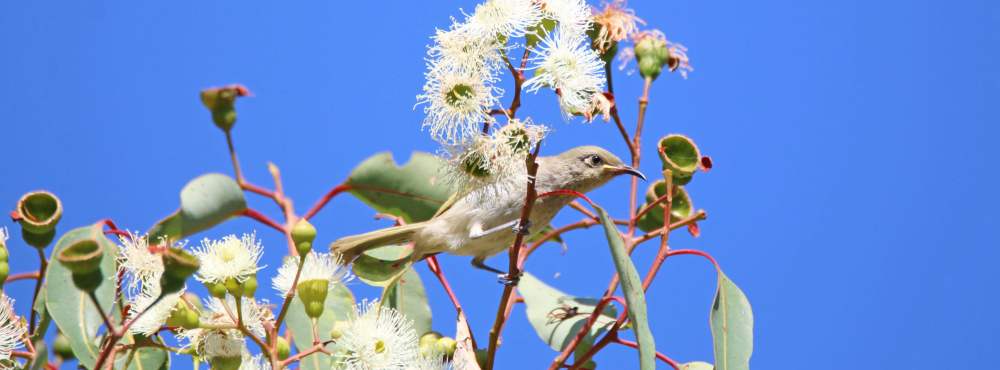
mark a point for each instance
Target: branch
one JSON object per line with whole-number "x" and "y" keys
{"x": 433, "y": 265}
{"x": 251, "y": 213}
{"x": 578, "y": 338}
{"x": 326, "y": 199}
{"x": 514, "y": 258}
{"x": 24, "y": 276}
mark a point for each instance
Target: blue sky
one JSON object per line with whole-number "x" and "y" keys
{"x": 853, "y": 198}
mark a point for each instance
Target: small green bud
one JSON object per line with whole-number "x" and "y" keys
{"x": 184, "y": 317}
{"x": 234, "y": 287}
{"x": 284, "y": 350}
{"x": 82, "y": 257}
{"x": 225, "y": 363}
{"x": 250, "y": 286}
{"x": 313, "y": 294}
{"x": 429, "y": 339}
{"x": 590, "y": 365}
{"x": 446, "y": 346}
{"x": 303, "y": 235}
{"x": 178, "y": 266}
{"x": 62, "y": 348}
{"x": 221, "y": 101}
{"x": 4, "y": 272}
{"x": 217, "y": 290}
{"x": 38, "y": 212}
{"x": 338, "y": 329}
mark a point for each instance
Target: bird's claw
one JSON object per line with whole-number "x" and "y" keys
{"x": 508, "y": 279}
{"x": 524, "y": 231}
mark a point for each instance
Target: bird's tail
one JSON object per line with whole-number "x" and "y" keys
{"x": 351, "y": 247}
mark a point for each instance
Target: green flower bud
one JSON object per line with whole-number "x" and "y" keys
{"x": 250, "y": 286}
{"x": 62, "y": 348}
{"x": 284, "y": 350}
{"x": 4, "y": 272}
{"x": 650, "y": 67}
{"x": 225, "y": 363}
{"x": 178, "y": 266}
{"x": 429, "y": 339}
{"x": 221, "y": 101}
{"x": 82, "y": 257}
{"x": 313, "y": 294}
{"x": 183, "y": 316}
{"x": 38, "y": 212}
{"x": 217, "y": 290}
{"x": 303, "y": 235}
{"x": 234, "y": 287}
{"x": 446, "y": 346}
{"x": 338, "y": 329}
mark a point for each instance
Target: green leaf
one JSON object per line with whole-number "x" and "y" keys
{"x": 379, "y": 266}
{"x": 205, "y": 202}
{"x": 634, "y": 295}
{"x": 145, "y": 358}
{"x": 547, "y": 310}
{"x": 43, "y": 317}
{"x": 697, "y": 365}
{"x": 680, "y": 208}
{"x": 70, "y": 308}
{"x": 339, "y": 307}
{"x": 414, "y": 191}
{"x": 732, "y": 326}
{"x": 407, "y": 295}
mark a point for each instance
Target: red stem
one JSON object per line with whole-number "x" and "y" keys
{"x": 660, "y": 356}
{"x": 598, "y": 309}
{"x": 24, "y": 276}
{"x": 326, "y": 199}
{"x": 251, "y": 213}
{"x": 567, "y": 192}
{"x": 435, "y": 267}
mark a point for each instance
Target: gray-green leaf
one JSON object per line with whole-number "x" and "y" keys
{"x": 635, "y": 297}
{"x": 205, "y": 202}
{"x": 407, "y": 296}
{"x": 557, "y": 316}
{"x": 732, "y": 326}
{"x": 70, "y": 308}
{"x": 414, "y": 191}
{"x": 339, "y": 307}
{"x": 697, "y": 365}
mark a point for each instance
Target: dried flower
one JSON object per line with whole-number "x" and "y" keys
{"x": 613, "y": 24}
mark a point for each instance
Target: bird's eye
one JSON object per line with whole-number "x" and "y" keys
{"x": 593, "y": 160}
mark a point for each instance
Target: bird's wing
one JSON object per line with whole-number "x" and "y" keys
{"x": 447, "y": 204}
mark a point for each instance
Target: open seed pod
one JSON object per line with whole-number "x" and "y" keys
{"x": 39, "y": 212}
{"x": 680, "y": 155}
{"x": 680, "y": 208}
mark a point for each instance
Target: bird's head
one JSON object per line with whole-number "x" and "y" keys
{"x": 588, "y": 167}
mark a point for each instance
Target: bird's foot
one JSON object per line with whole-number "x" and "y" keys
{"x": 508, "y": 279}
{"x": 518, "y": 229}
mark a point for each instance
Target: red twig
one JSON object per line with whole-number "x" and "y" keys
{"x": 598, "y": 310}
{"x": 677, "y": 252}
{"x": 567, "y": 192}
{"x": 326, "y": 199}
{"x": 435, "y": 267}
{"x": 660, "y": 356}
{"x": 24, "y": 276}
{"x": 251, "y": 213}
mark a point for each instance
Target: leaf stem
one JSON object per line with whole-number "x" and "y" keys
{"x": 43, "y": 266}
{"x": 660, "y": 356}
{"x": 23, "y": 276}
{"x": 514, "y": 258}
{"x": 326, "y": 199}
{"x": 259, "y": 217}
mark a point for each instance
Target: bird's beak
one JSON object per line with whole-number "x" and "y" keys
{"x": 626, "y": 169}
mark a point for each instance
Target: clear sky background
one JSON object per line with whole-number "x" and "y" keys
{"x": 854, "y": 194}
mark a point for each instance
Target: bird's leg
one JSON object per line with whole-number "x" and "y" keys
{"x": 480, "y": 263}
{"x": 521, "y": 230}
{"x": 502, "y": 277}
{"x": 477, "y": 231}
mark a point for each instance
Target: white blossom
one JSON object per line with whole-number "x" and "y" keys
{"x": 156, "y": 314}
{"x": 318, "y": 266}
{"x": 566, "y": 62}
{"x": 140, "y": 265}
{"x": 572, "y": 16}
{"x": 491, "y": 160}
{"x": 509, "y": 18}
{"x": 457, "y": 102}
{"x": 251, "y": 362}
{"x": 223, "y": 343}
{"x": 255, "y": 314}
{"x": 458, "y": 48}
{"x": 378, "y": 338}
{"x": 12, "y": 329}
{"x": 230, "y": 257}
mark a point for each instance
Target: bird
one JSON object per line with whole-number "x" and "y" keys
{"x": 484, "y": 221}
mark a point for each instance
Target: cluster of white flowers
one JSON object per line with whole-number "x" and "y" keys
{"x": 461, "y": 98}
{"x": 318, "y": 266}
{"x": 142, "y": 268}
{"x": 219, "y": 338}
